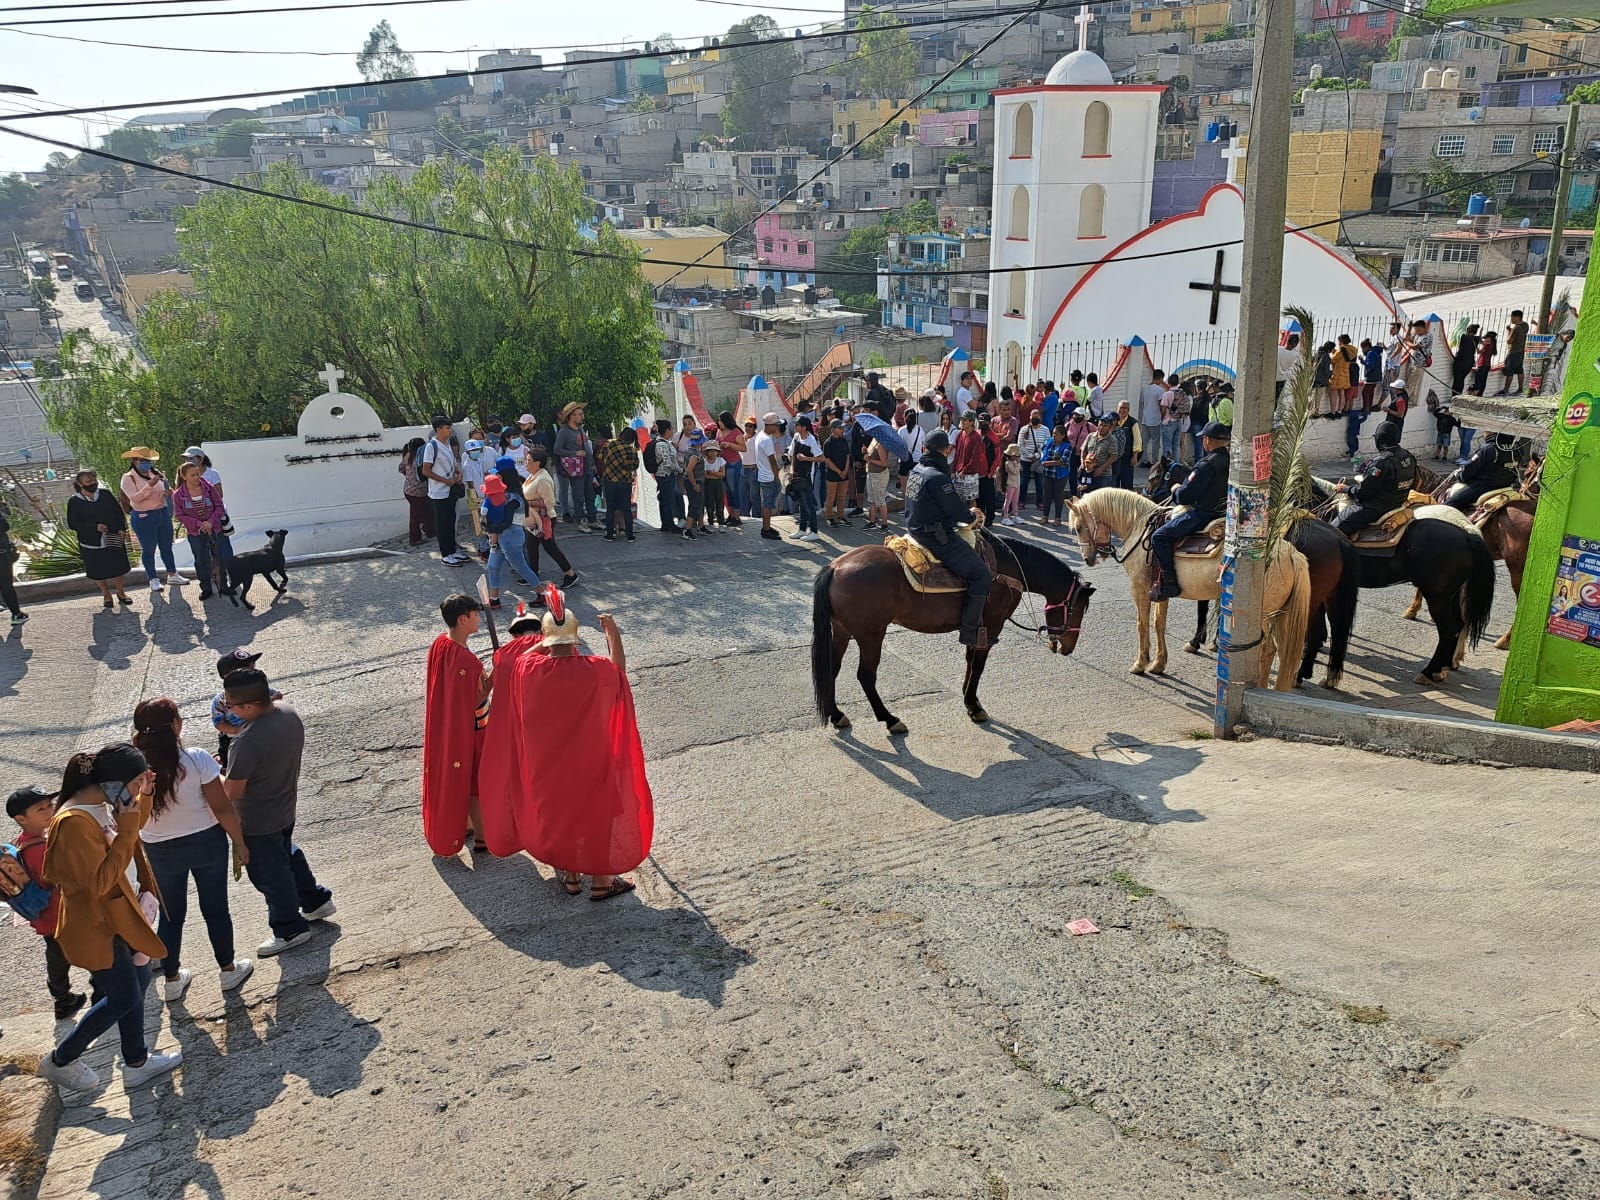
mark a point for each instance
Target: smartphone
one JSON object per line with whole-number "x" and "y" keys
{"x": 118, "y": 795}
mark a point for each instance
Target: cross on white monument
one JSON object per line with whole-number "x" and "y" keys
{"x": 1231, "y": 156}
{"x": 1083, "y": 20}
{"x": 330, "y": 375}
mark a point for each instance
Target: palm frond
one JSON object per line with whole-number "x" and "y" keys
{"x": 1289, "y": 489}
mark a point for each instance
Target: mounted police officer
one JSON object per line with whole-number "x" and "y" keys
{"x": 1204, "y": 494}
{"x": 1496, "y": 464}
{"x": 1384, "y": 486}
{"x": 932, "y": 514}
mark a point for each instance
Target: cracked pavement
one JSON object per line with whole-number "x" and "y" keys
{"x": 846, "y": 971}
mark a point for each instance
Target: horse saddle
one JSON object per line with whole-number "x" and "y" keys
{"x": 1385, "y": 533}
{"x": 1492, "y": 502}
{"x": 1205, "y": 544}
{"x": 924, "y": 572}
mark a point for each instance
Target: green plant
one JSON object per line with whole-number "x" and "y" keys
{"x": 1130, "y": 885}
{"x": 1363, "y": 1014}
{"x": 53, "y": 554}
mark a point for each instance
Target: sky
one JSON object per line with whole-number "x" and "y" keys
{"x": 69, "y": 74}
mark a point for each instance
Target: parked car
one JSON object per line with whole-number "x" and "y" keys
{"x": 83, "y": 289}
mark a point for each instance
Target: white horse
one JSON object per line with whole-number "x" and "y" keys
{"x": 1100, "y": 514}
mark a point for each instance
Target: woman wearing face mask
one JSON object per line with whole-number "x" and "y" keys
{"x": 415, "y": 489}
{"x": 145, "y": 489}
{"x": 1032, "y": 438}
{"x": 108, "y": 896}
{"x": 96, "y": 517}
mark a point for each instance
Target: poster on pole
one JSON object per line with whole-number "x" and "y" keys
{"x": 1536, "y": 360}
{"x": 1261, "y": 456}
{"x": 1575, "y": 604}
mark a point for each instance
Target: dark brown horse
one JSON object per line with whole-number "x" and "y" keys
{"x": 1506, "y": 533}
{"x": 864, "y": 591}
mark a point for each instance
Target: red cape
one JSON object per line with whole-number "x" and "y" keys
{"x": 563, "y": 770}
{"x": 450, "y": 744}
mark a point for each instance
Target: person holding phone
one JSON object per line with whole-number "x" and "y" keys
{"x": 108, "y": 891}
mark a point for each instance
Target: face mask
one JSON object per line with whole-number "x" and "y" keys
{"x": 1033, "y": 421}
{"x": 142, "y": 467}
{"x": 514, "y": 442}
{"x": 474, "y": 455}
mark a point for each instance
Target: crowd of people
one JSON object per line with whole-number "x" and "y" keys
{"x": 104, "y": 859}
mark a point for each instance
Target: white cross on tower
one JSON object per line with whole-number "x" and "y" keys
{"x": 1232, "y": 155}
{"x": 330, "y": 375}
{"x": 1083, "y": 20}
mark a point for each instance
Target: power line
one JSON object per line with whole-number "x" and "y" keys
{"x": 1443, "y": 23}
{"x": 236, "y": 12}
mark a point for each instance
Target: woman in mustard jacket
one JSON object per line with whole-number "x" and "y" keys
{"x": 94, "y": 857}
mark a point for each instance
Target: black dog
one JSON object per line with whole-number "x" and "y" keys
{"x": 264, "y": 562}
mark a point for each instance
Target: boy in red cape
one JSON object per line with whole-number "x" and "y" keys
{"x": 452, "y": 732}
{"x": 563, "y": 768}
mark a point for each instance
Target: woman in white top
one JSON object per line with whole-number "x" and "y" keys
{"x": 191, "y": 824}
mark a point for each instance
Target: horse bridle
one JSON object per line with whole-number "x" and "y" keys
{"x": 1105, "y": 547}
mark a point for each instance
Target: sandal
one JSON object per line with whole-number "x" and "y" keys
{"x": 618, "y": 887}
{"x": 107, "y": 604}
{"x": 572, "y": 881}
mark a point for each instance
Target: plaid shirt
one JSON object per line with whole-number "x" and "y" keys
{"x": 618, "y": 462}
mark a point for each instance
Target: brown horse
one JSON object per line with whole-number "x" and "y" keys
{"x": 865, "y": 590}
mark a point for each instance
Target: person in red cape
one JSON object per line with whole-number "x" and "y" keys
{"x": 452, "y": 735}
{"x": 563, "y": 773}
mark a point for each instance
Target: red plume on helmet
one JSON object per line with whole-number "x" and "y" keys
{"x": 556, "y": 602}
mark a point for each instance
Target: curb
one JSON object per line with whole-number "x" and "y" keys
{"x": 1437, "y": 738}
{"x": 68, "y": 586}
{"x": 33, "y": 1112}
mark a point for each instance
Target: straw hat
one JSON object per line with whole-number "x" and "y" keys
{"x": 568, "y": 410}
{"x": 900, "y": 393}
{"x": 143, "y": 452}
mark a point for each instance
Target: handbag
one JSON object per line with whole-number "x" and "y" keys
{"x": 572, "y": 466}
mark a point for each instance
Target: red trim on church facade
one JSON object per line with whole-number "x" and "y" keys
{"x": 1078, "y": 87}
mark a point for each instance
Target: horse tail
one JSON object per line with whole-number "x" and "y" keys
{"x": 1477, "y": 593}
{"x": 822, "y": 683}
{"x": 1292, "y": 623}
{"x": 1342, "y": 610}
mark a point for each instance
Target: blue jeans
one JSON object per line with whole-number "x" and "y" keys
{"x": 1172, "y": 441}
{"x": 1466, "y": 441}
{"x": 279, "y": 871}
{"x": 205, "y": 856}
{"x": 509, "y": 547}
{"x": 121, "y": 988}
{"x": 571, "y": 494}
{"x": 154, "y": 531}
{"x": 619, "y": 499}
{"x": 808, "y": 509}
{"x": 201, "y": 546}
{"x": 769, "y": 495}
{"x": 669, "y": 498}
{"x": 1353, "y": 421}
{"x": 736, "y": 489}
{"x": 1164, "y": 543}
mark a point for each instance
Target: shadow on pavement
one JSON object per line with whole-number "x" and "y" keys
{"x": 658, "y": 949}
{"x": 1144, "y": 772}
{"x": 14, "y": 658}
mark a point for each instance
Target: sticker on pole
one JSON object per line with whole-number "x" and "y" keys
{"x": 1581, "y": 411}
{"x": 1575, "y": 604}
{"x": 1261, "y": 455}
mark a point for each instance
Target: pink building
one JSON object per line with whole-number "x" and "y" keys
{"x": 786, "y": 247}
{"x": 948, "y": 128}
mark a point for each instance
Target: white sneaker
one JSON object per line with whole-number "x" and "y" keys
{"x": 277, "y": 945}
{"x": 176, "y": 579}
{"x": 812, "y": 536}
{"x": 155, "y": 584}
{"x": 76, "y": 1076}
{"x": 154, "y": 1065}
{"x": 173, "y": 989}
{"x": 234, "y": 979}
{"x": 322, "y": 912}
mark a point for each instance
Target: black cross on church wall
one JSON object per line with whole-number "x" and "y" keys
{"x": 1216, "y": 287}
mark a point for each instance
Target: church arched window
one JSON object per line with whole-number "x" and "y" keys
{"x": 1097, "y": 131}
{"x": 1018, "y": 227}
{"x": 1092, "y": 212}
{"x": 1016, "y": 293}
{"x": 1022, "y": 132}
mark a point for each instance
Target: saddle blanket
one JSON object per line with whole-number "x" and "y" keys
{"x": 923, "y": 571}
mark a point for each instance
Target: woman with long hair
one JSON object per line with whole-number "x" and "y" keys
{"x": 540, "y": 494}
{"x": 192, "y": 823}
{"x": 107, "y": 891}
{"x": 732, "y": 440}
{"x": 198, "y": 506}
{"x": 415, "y": 488}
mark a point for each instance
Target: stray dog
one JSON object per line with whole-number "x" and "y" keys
{"x": 264, "y": 562}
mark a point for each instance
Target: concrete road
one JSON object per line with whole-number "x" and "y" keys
{"x": 90, "y": 316}
{"x": 846, "y": 970}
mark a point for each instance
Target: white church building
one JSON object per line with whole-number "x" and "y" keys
{"x": 1074, "y": 171}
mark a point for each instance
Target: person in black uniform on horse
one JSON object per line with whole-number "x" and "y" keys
{"x": 1384, "y": 486}
{"x": 932, "y": 514}
{"x": 1496, "y": 464}
{"x": 1204, "y": 493}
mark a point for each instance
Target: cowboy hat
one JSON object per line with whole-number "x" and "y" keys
{"x": 568, "y": 410}
{"x": 143, "y": 452}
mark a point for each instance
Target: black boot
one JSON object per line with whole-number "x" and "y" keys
{"x": 972, "y": 631}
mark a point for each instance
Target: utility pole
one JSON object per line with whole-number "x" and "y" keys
{"x": 1265, "y": 206}
{"x": 1558, "y": 223}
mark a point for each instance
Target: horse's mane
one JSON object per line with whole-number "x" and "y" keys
{"x": 1032, "y": 560}
{"x": 1118, "y": 506}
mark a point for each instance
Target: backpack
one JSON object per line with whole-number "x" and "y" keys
{"x": 27, "y": 897}
{"x": 650, "y": 457}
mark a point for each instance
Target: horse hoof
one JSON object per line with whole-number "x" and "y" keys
{"x": 1410, "y": 614}
{"x": 1424, "y": 677}
{"x": 978, "y": 715}
{"x": 898, "y": 728}
{"x": 840, "y": 722}
{"x": 1136, "y": 669}
{"x": 1192, "y": 648}
{"x": 1505, "y": 641}
{"x": 1213, "y": 647}
{"x": 1159, "y": 668}
{"x": 1332, "y": 682}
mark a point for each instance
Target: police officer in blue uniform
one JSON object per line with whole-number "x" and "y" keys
{"x": 932, "y": 515}
{"x": 1496, "y": 464}
{"x": 1384, "y": 486}
{"x": 1204, "y": 493}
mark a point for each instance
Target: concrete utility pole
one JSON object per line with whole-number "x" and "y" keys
{"x": 1558, "y": 223}
{"x": 1265, "y": 204}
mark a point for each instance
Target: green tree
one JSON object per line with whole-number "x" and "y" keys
{"x": 421, "y": 321}
{"x": 1448, "y": 188}
{"x": 144, "y": 145}
{"x": 382, "y": 58}
{"x": 58, "y": 165}
{"x": 764, "y": 63}
{"x": 19, "y": 199}
{"x": 885, "y": 60}
{"x": 861, "y": 248}
{"x": 237, "y": 138}
{"x": 1585, "y": 93}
